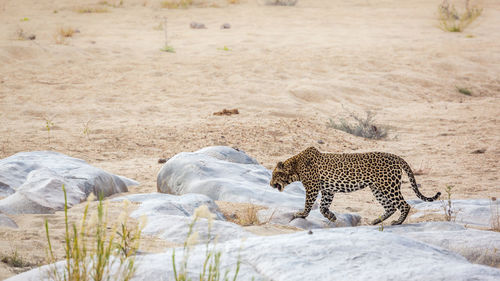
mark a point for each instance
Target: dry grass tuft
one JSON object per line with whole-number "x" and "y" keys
{"x": 114, "y": 4}
{"x": 452, "y": 20}
{"x": 495, "y": 214}
{"x": 66, "y": 31}
{"x": 185, "y": 4}
{"x": 22, "y": 35}
{"x": 244, "y": 214}
{"x": 249, "y": 216}
{"x": 361, "y": 127}
{"x": 16, "y": 260}
{"x": 90, "y": 10}
{"x": 176, "y": 4}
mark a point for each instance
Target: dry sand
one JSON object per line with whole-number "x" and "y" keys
{"x": 286, "y": 69}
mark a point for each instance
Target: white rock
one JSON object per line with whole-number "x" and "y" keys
{"x": 169, "y": 217}
{"x": 474, "y": 212}
{"x": 223, "y": 173}
{"x": 5, "y": 221}
{"x": 476, "y": 245}
{"x": 283, "y": 216}
{"x": 34, "y": 182}
{"x": 328, "y": 254}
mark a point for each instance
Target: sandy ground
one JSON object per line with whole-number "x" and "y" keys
{"x": 286, "y": 69}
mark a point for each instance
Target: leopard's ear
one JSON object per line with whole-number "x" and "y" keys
{"x": 280, "y": 165}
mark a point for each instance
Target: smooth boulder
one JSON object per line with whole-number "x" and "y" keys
{"x": 325, "y": 254}
{"x": 226, "y": 174}
{"x": 473, "y": 212}
{"x": 33, "y": 182}
{"x": 169, "y": 217}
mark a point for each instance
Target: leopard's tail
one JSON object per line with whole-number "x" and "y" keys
{"x": 414, "y": 185}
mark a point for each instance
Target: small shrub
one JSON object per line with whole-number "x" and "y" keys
{"x": 361, "y": 127}
{"x": 249, "y": 217}
{"x": 495, "y": 214}
{"x": 464, "y": 91}
{"x": 210, "y": 269}
{"x": 453, "y": 21}
{"x": 22, "y": 35}
{"x": 91, "y": 251}
{"x": 15, "y": 260}
{"x": 66, "y": 31}
{"x": 280, "y": 2}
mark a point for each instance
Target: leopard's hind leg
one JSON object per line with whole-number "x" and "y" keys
{"x": 389, "y": 208}
{"x": 326, "y": 201}
{"x": 403, "y": 207}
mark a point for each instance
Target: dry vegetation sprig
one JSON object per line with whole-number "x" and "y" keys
{"x": 361, "y": 127}
{"x": 249, "y": 217}
{"x": 63, "y": 33}
{"x": 450, "y": 213}
{"x": 90, "y": 10}
{"x": 66, "y": 31}
{"x": 166, "y": 48}
{"x": 86, "y": 129}
{"x": 452, "y": 20}
{"x": 176, "y": 4}
{"x": 22, "y": 35}
{"x": 14, "y": 259}
{"x": 114, "y": 4}
{"x": 91, "y": 250}
{"x": 211, "y": 267}
{"x": 5, "y": 144}
{"x": 48, "y": 126}
{"x": 495, "y": 214}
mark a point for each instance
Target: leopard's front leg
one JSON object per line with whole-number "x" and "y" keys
{"x": 311, "y": 195}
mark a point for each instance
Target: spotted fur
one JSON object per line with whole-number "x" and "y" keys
{"x": 329, "y": 173}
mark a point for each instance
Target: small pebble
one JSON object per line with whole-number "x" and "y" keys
{"x": 197, "y": 25}
{"x": 479, "y": 151}
{"x": 162, "y": 160}
{"x": 321, "y": 142}
{"x": 225, "y": 26}
{"x": 310, "y": 232}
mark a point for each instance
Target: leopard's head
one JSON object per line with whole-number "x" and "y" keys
{"x": 283, "y": 175}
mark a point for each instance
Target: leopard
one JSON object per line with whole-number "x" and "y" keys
{"x": 331, "y": 173}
